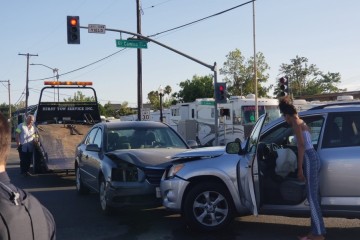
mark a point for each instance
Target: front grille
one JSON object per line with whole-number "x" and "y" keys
{"x": 153, "y": 175}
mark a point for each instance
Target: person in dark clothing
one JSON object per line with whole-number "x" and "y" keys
{"x": 22, "y": 216}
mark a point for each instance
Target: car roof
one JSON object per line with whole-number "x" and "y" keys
{"x": 337, "y": 105}
{"x": 318, "y": 110}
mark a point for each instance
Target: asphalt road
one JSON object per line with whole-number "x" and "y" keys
{"x": 79, "y": 217}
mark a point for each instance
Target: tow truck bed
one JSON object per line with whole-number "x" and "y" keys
{"x": 59, "y": 143}
{"x": 61, "y": 125}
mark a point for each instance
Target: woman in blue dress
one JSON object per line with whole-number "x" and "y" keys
{"x": 308, "y": 166}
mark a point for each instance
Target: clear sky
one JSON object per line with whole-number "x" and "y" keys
{"x": 324, "y": 31}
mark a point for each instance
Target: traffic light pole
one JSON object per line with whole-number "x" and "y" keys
{"x": 211, "y": 67}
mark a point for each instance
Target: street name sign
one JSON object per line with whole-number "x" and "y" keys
{"x": 211, "y": 103}
{"x": 131, "y": 43}
{"x": 96, "y": 28}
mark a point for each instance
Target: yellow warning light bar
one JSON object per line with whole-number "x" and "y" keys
{"x": 57, "y": 83}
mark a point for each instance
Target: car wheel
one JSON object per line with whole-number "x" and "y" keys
{"x": 80, "y": 187}
{"x": 103, "y": 198}
{"x": 208, "y": 206}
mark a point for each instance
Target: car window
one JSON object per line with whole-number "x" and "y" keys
{"x": 282, "y": 134}
{"x": 91, "y": 136}
{"x": 98, "y": 138}
{"x": 253, "y": 139}
{"x": 150, "y": 137}
{"x": 342, "y": 130}
{"x": 315, "y": 124}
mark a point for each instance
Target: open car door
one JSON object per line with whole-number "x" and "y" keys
{"x": 252, "y": 185}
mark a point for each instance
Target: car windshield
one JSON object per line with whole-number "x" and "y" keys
{"x": 137, "y": 138}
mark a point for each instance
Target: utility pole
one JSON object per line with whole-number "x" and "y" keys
{"x": 8, "y": 81}
{"x": 28, "y": 55}
{"x": 255, "y": 70}
{"x": 139, "y": 60}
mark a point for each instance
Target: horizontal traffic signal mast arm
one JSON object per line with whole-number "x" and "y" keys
{"x": 212, "y": 67}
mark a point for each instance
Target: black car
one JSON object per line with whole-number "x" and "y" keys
{"x": 124, "y": 161}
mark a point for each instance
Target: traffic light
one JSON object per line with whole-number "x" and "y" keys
{"x": 220, "y": 92}
{"x": 73, "y": 30}
{"x": 284, "y": 86}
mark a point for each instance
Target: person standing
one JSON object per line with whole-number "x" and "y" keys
{"x": 25, "y": 136}
{"x": 308, "y": 161}
{"x": 22, "y": 216}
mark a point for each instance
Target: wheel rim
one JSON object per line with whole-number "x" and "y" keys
{"x": 78, "y": 179}
{"x": 210, "y": 208}
{"x": 102, "y": 193}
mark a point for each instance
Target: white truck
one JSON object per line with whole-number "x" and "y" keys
{"x": 61, "y": 125}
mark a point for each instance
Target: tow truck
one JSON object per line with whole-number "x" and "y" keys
{"x": 61, "y": 125}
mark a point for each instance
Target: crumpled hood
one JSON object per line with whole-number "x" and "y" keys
{"x": 201, "y": 152}
{"x": 152, "y": 157}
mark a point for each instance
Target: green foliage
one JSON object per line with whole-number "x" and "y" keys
{"x": 80, "y": 97}
{"x": 239, "y": 74}
{"x": 102, "y": 110}
{"x": 307, "y": 79}
{"x": 198, "y": 87}
{"x": 116, "y": 110}
{"x": 154, "y": 98}
{"x": 4, "y": 109}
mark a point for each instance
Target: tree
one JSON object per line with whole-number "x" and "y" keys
{"x": 80, "y": 97}
{"x": 239, "y": 73}
{"x": 307, "y": 79}
{"x": 122, "y": 110}
{"x": 329, "y": 81}
{"x": 198, "y": 87}
{"x": 154, "y": 98}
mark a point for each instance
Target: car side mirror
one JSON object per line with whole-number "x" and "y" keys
{"x": 192, "y": 143}
{"x": 92, "y": 148}
{"x": 234, "y": 148}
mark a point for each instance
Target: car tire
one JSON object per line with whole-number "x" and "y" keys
{"x": 107, "y": 210}
{"x": 208, "y": 206}
{"x": 80, "y": 187}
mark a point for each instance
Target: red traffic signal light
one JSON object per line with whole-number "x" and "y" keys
{"x": 284, "y": 86}
{"x": 73, "y": 30}
{"x": 220, "y": 92}
{"x": 73, "y": 22}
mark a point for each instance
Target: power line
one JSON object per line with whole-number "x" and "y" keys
{"x": 156, "y": 34}
{"x": 202, "y": 19}
{"x": 21, "y": 97}
{"x": 157, "y": 4}
{"x": 88, "y": 65}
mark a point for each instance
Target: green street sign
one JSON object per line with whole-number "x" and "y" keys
{"x": 133, "y": 43}
{"x": 211, "y": 103}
